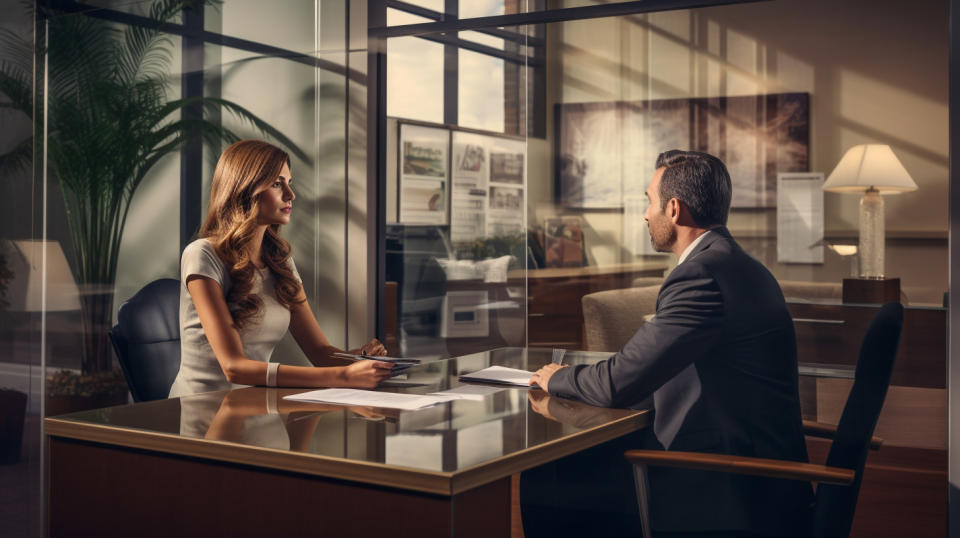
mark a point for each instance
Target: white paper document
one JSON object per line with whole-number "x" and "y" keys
{"x": 369, "y": 398}
{"x": 467, "y": 392}
{"x": 800, "y": 217}
{"x": 500, "y": 375}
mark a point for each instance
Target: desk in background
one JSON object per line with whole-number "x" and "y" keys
{"x": 149, "y": 468}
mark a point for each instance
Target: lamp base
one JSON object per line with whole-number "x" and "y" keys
{"x": 872, "y": 234}
{"x": 871, "y": 290}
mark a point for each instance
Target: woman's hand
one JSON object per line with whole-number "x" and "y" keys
{"x": 373, "y": 348}
{"x": 366, "y": 374}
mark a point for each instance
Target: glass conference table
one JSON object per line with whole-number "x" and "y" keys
{"x": 246, "y": 461}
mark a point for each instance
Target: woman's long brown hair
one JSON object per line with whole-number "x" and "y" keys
{"x": 246, "y": 169}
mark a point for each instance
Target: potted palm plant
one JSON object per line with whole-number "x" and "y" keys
{"x": 109, "y": 120}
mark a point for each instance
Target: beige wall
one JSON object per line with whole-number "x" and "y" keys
{"x": 876, "y": 73}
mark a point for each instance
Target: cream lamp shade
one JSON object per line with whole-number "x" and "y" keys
{"x": 27, "y": 260}
{"x": 870, "y": 170}
{"x": 869, "y": 166}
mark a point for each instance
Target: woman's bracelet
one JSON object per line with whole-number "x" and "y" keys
{"x": 271, "y": 401}
{"x": 272, "y": 373}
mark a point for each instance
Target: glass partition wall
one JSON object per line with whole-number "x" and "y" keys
{"x": 514, "y": 162}
{"x": 121, "y": 181}
{"x": 457, "y": 133}
{"x": 596, "y": 100}
{"x": 781, "y": 91}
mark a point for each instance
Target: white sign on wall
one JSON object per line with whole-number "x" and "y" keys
{"x": 800, "y": 217}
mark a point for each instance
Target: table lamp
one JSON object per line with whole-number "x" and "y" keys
{"x": 870, "y": 169}
{"x": 32, "y": 260}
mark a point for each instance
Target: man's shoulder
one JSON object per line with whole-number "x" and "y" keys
{"x": 722, "y": 259}
{"x": 721, "y": 253}
{"x": 715, "y": 249}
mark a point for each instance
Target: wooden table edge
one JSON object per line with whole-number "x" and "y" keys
{"x": 424, "y": 481}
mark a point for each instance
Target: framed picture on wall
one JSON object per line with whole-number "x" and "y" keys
{"x": 563, "y": 242}
{"x": 606, "y": 152}
{"x": 424, "y": 154}
{"x": 471, "y": 163}
{"x": 507, "y": 188}
{"x": 589, "y": 155}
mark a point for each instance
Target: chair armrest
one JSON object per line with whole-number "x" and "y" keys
{"x": 829, "y": 431}
{"x": 791, "y": 470}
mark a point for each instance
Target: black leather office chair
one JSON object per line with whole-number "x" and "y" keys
{"x": 838, "y": 480}
{"x": 147, "y": 339}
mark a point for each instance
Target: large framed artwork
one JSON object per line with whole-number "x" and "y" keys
{"x": 606, "y": 151}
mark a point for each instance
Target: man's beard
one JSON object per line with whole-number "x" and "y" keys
{"x": 662, "y": 235}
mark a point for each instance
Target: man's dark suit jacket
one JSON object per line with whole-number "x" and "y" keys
{"x": 720, "y": 359}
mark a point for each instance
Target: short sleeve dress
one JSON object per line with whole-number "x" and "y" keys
{"x": 199, "y": 369}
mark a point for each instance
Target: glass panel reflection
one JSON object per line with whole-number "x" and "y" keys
{"x": 456, "y": 246}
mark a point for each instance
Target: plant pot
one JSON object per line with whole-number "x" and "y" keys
{"x": 71, "y": 403}
{"x": 13, "y": 407}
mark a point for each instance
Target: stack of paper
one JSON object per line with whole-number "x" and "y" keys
{"x": 500, "y": 375}
{"x": 368, "y": 398}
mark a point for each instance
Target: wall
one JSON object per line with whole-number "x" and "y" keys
{"x": 875, "y": 73}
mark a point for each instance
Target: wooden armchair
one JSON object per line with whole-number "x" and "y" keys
{"x": 839, "y": 480}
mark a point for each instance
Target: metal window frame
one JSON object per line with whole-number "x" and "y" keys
{"x": 452, "y": 44}
{"x": 953, "y": 283}
{"x": 544, "y": 16}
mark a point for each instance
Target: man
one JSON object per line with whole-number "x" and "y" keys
{"x": 719, "y": 358}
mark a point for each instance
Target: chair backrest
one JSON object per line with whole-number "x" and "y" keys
{"x": 833, "y": 513}
{"x": 147, "y": 339}
{"x": 610, "y": 318}
{"x": 644, "y": 281}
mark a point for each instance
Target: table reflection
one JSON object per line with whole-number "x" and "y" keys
{"x": 446, "y": 437}
{"x": 569, "y": 412}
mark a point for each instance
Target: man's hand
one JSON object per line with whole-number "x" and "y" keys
{"x": 540, "y": 403}
{"x": 542, "y": 376}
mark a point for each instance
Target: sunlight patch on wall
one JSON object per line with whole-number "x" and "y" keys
{"x": 884, "y": 109}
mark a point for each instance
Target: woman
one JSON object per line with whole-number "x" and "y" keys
{"x": 241, "y": 292}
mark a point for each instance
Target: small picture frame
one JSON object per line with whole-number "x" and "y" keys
{"x": 563, "y": 242}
